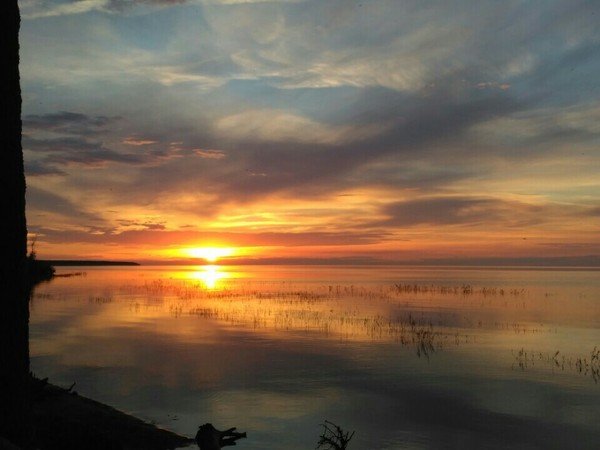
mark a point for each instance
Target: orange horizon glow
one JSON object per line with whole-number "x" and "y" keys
{"x": 452, "y": 248}
{"x": 210, "y": 254}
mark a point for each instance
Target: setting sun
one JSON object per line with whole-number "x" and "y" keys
{"x": 405, "y": 165}
{"x": 210, "y": 254}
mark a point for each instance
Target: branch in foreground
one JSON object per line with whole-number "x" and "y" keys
{"x": 333, "y": 437}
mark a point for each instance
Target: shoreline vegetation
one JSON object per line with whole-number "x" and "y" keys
{"x": 69, "y": 262}
{"x": 39, "y": 270}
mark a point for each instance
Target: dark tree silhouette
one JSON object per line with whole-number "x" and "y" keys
{"x": 15, "y": 417}
{"x": 333, "y": 437}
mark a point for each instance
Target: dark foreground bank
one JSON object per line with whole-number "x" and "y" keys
{"x": 65, "y": 420}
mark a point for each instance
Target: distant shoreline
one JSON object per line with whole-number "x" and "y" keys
{"x": 583, "y": 262}
{"x": 66, "y": 262}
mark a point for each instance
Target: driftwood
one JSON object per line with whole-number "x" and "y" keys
{"x": 209, "y": 438}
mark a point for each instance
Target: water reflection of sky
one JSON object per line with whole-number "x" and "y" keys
{"x": 276, "y": 356}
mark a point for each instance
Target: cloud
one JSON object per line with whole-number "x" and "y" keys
{"x": 439, "y": 211}
{"x": 69, "y": 122}
{"x": 209, "y": 154}
{"x": 334, "y": 44}
{"x": 155, "y": 2}
{"x": 69, "y": 138}
{"x": 73, "y": 150}
{"x": 155, "y": 233}
{"x": 125, "y": 224}
{"x": 294, "y": 150}
{"x": 493, "y": 85}
{"x": 242, "y": 2}
{"x": 282, "y": 126}
{"x": 39, "y": 168}
{"x": 384, "y": 125}
{"x": 34, "y": 9}
{"x": 43, "y": 201}
{"x": 488, "y": 212}
{"x": 548, "y": 128}
{"x": 138, "y": 142}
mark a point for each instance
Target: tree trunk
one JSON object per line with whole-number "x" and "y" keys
{"x": 15, "y": 406}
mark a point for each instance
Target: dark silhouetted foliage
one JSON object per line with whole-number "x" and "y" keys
{"x": 333, "y": 437}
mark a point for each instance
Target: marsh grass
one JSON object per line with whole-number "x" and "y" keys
{"x": 426, "y": 317}
{"x": 463, "y": 289}
{"x": 400, "y": 313}
{"x": 100, "y": 299}
{"x": 584, "y": 365}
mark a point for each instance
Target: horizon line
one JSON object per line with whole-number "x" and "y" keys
{"x": 587, "y": 261}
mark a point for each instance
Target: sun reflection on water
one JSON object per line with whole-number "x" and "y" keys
{"x": 210, "y": 275}
{"x": 200, "y": 332}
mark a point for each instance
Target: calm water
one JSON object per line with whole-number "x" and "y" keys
{"x": 406, "y": 357}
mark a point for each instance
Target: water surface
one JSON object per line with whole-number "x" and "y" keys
{"x": 408, "y": 357}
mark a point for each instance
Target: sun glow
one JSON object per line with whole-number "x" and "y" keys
{"x": 210, "y": 254}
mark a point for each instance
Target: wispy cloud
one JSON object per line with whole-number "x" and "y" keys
{"x": 33, "y": 9}
{"x": 281, "y": 126}
{"x": 138, "y": 142}
{"x": 69, "y": 122}
{"x": 209, "y": 154}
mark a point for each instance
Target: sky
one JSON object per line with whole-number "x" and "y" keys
{"x": 300, "y": 130}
